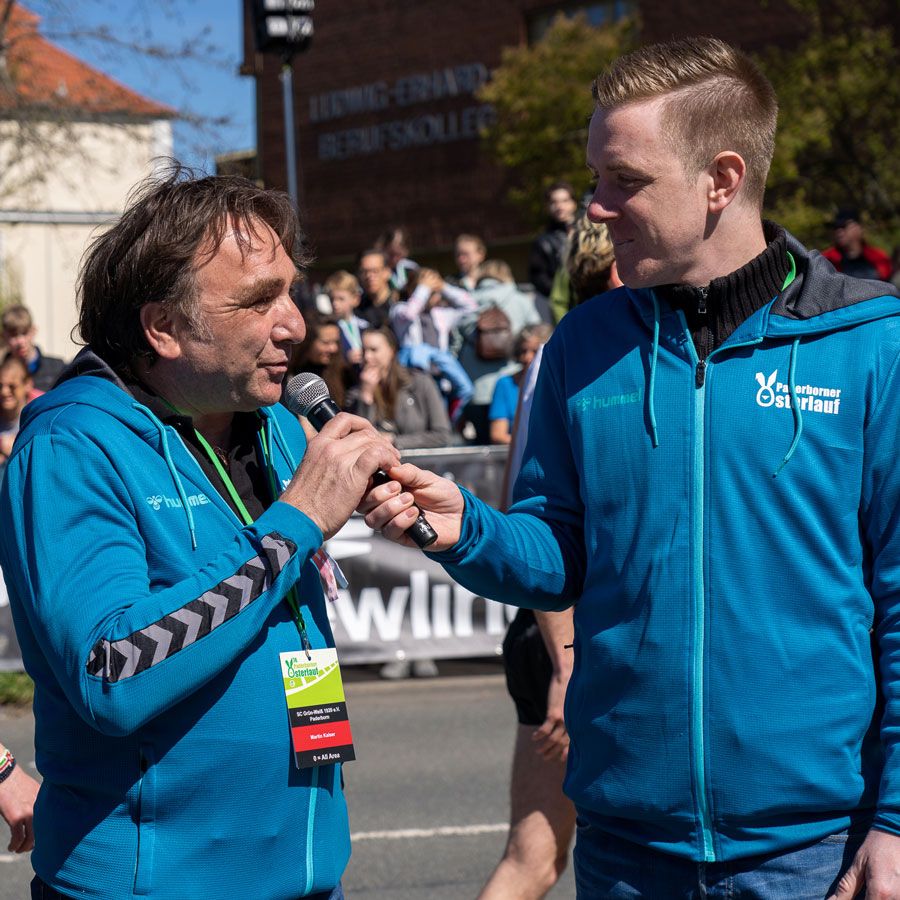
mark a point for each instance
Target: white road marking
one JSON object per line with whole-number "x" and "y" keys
{"x": 447, "y": 831}
{"x": 13, "y": 857}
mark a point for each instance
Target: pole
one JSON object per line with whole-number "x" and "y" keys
{"x": 290, "y": 142}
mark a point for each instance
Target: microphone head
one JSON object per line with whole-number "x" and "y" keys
{"x": 303, "y": 392}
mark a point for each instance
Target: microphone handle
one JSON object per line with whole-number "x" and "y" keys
{"x": 420, "y": 532}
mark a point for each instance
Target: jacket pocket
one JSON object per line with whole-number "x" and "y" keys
{"x": 145, "y": 817}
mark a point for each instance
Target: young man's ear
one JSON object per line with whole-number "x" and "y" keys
{"x": 727, "y": 174}
{"x": 159, "y": 329}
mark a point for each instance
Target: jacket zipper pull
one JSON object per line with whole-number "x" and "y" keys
{"x": 701, "y": 302}
{"x": 701, "y": 372}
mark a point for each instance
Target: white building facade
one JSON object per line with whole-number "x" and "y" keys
{"x": 73, "y": 143}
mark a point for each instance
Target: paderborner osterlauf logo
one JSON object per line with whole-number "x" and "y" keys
{"x": 809, "y": 397}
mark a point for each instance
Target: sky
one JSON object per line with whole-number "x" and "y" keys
{"x": 211, "y": 90}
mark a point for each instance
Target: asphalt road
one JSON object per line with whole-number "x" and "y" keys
{"x": 427, "y": 793}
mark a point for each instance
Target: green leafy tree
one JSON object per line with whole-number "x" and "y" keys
{"x": 838, "y": 126}
{"x": 542, "y": 97}
{"x": 838, "y": 130}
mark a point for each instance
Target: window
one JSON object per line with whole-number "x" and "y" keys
{"x": 597, "y": 14}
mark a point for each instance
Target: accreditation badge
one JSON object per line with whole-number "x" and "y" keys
{"x": 317, "y": 710}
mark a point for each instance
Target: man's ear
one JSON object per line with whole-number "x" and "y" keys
{"x": 160, "y": 330}
{"x": 727, "y": 174}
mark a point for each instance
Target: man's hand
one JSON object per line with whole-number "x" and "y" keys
{"x": 552, "y": 739}
{"x": 335, "y": 472}
{"x": 393, "y": 507}
{"x": 17, "y": 795}
{"x": 876, "y": 867}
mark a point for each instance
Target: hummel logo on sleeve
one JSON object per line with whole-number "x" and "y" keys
{"x": 157, "y": 501}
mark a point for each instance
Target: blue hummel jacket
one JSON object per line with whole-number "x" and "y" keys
{"x": 151, "y": 621}
{"x": 733, "y": 545}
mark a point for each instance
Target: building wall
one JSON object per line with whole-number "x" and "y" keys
{"x": 440, "y": 188}
{"x": 42, "y": 261}
{"x": 437, "y": 189}
{"x": 46, "y": 226}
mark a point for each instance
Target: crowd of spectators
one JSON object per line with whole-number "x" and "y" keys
{"x": 420, "y": 354}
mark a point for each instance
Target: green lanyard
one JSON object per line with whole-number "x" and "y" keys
{"x": 792, "y": 274}
{"x": 291, "y": 595}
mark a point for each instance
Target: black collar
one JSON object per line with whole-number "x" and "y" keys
{"x": 726, "y": 302}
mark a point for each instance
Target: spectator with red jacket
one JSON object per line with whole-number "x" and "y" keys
{"x": 851, "y": 254}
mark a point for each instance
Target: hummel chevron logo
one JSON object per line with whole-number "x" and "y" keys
{"x": 149, "y": 646}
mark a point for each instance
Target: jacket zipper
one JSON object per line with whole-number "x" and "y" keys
{"x": 698, "y": 693}
{"x": 698, "y": 704}
{"x": 705, "y": 347}
{"x": 699, "y": 699}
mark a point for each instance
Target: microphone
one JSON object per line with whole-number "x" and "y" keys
{"x": 307, "y": 395}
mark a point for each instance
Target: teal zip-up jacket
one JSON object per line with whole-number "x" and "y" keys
{"x": 730, "y": 535}
{"x": 151, "y": 621}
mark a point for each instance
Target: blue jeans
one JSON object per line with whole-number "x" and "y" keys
{"x": 610, "y": 868}
{"x": 442, "y": 364}
{"x": 41, "y": 891}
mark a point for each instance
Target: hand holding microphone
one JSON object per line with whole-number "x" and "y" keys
{"x": 307, "y": 395}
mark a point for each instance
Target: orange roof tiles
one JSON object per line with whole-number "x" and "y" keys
{"x": 44, "y": 75}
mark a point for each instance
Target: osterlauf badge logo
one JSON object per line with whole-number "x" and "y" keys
{"x": 299, "y": 669}
{"x": 809, "y": 397}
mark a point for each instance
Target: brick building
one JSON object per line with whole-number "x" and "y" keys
{"x": 387, "y": 121}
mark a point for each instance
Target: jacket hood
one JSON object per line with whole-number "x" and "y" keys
{"x": 821, "y": 299}
{"x": 89, "y": 381}
{"x": 88, "y": 363}
{"x": 491, "y": 291}
{"x": 818, "y": 300}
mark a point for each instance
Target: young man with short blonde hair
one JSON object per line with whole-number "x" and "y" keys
{"x": 711, "y": 479}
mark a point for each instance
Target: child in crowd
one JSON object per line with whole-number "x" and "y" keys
{"x": 431, "y": 312}
{"x": 345, "y": 292}
{"x": 423, "y": 324}
{"x": 502, "y": 411}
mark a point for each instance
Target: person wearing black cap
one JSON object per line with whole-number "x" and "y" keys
{"x": 850, "y": 253}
